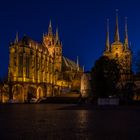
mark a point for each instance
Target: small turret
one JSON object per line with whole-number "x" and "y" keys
{"x": 50, "y": 33}
{"x": 57, "y": 37}
{"x": 83, "y": 68}
{"x": 107, "y": 37}
{"x": 77, "y": 63}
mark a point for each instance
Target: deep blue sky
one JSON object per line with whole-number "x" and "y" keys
{"x": 81, "y": 24}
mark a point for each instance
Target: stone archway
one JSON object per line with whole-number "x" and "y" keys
{"x": 49, "y": 91}
{"x": 5, "y": 94}
{"x": 31, "y": 93}
{"x": 18, "y": 93}
{"x": 39, "y": 93}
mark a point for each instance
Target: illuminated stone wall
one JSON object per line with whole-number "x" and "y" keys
{"x": 37, "y": 70}
{"x": 30, "y": 62}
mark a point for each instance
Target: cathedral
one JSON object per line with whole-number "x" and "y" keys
{"x": 119, "y": 51}
{"x": 38, "y": 70}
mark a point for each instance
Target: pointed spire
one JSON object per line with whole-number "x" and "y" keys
{"x": 50, "y": 29}
{"x": 16, "y": 39}
{"x": 57, "y": 35}
{"x": 77, "y": 63}
{"x": 126, "y": 35}
{"x": 107, "y": 37}
{"x": 50, "y": 24}
{"x": 117, "y": 38}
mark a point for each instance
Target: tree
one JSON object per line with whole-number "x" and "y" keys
{"x": 105, "y": 76}
{"x": 136, "y": 62}
{"x": 129, "y": 90}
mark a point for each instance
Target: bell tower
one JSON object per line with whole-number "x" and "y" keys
{"x": 57, "y": 53}
{"x": 52, "y": 42}
{"x": 119, "y": 51}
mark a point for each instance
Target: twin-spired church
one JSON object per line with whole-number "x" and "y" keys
{"x": 119, "y": 51}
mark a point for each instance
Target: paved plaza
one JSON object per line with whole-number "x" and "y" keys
{"x": 69, "y": 122}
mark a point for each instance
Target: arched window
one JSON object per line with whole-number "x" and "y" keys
{"x": 20, "y": 65}
{"x": 27, "y": 66}
{"x": 116, "y": 55}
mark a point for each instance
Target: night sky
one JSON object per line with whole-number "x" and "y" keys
{"x": 81, "y": 24}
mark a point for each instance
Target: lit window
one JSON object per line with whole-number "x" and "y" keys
{"x": 117, "y": 55}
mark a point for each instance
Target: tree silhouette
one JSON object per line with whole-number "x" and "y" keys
{"x": 136, "y": 62}
{"x": 105, "y": 76}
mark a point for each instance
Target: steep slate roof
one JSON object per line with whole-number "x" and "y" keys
{"x": 68, "y": 64}
{"x": 28, "y": 42}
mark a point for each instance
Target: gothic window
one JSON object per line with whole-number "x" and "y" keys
{"x": 12, "y": 60}
{"x": 27, "y": 66}
{"x": 116, "y": 55}
{"x": 20, "y": 65}
{"x": 32, "y": 62}
{"x": 57, "y": 53}
{"x": 38, "y": 63}
{"x": 15, "y": 64}
{"x": 52, "y": 41}
{"x": 42, "y": 64}
{"x": 48, "y": 42}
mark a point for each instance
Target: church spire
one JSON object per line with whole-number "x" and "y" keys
{"x": 50, "y": 29}
{"x": 116, "y": 38}
{"x": 16, "y": 39}
{"x": 126, "y": 35}
{"x": 107, "y": 37}
{"x": 57, "y": 35}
